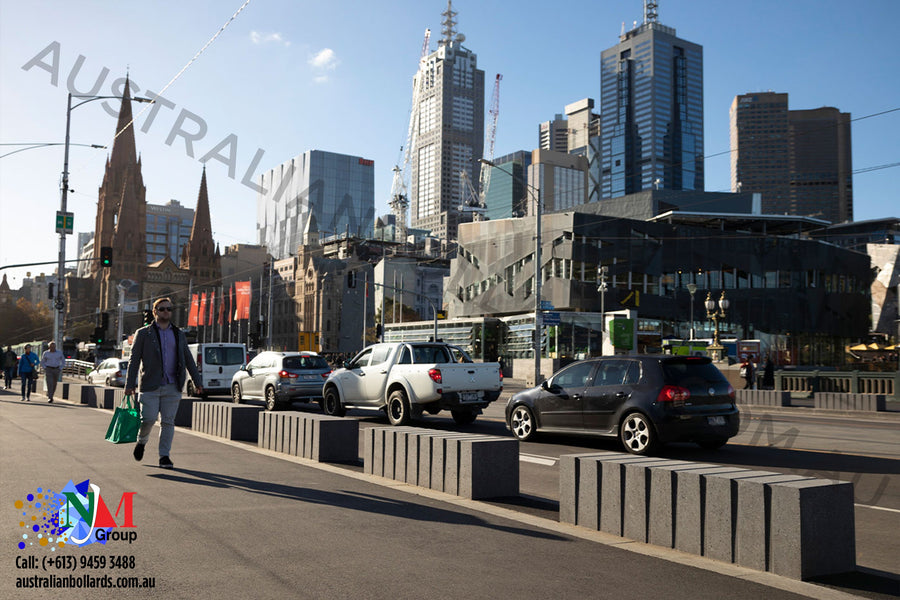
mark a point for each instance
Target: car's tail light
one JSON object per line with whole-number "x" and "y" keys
{"x": 118, "y": 374}
{"x": 501, "y": 375}
{"x": 325, "y": 375}
{"x": 674, "y": 394}
{"x": 199, "y": 359}
{"x": 287, "y": 374}
{"x": 731, "y": 393}
{"x": 435, "y": 375}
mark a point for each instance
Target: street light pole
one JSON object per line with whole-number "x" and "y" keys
{"x": 692, "y": 288}
{"x": 59, "y": 325}
{"x": 538, "y": 274}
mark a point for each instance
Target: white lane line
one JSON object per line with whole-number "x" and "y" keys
{"x": 538, "y": 460}
{"x": 893, "y": 510}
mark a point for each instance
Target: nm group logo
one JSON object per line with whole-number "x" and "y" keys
{"x": 76, "y": 516}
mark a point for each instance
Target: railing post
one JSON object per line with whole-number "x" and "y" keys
{"x": 854, "y": 382}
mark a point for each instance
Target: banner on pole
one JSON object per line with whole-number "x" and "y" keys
{"x": 242, "y": 291}
{"x": 195, "y": 309}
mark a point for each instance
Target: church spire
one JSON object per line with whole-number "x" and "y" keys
{"x": 124, "y": 152}
{"x": 200, "y": 255}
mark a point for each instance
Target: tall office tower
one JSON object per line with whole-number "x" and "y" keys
{"x": 337, "y": 188}
{"x": 561, "y": 181}
{"x": 651, "y": 111}
{"x": 758, "y": 125}
{"x": 449, "y": 134}
{"x": 821, "y": 165}
{"x": 554, "y": 135}
{"x": 584, "y": 140}
{"x": 799, "y": 161}
{"x": 168, "y": 230}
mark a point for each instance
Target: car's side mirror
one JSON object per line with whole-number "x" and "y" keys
{"x": 346, "y": 364}
{"x": 545, "y": 385}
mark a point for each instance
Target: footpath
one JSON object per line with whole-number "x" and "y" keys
{"x": 234, "y": 521}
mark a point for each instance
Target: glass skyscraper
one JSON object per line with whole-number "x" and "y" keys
{"x": 651, "y": 112}
{"x": 337, "y": 188}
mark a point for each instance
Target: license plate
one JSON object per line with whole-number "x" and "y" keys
{"x": 716, "y": 420}
{"x": 212, "y": 383}
{"x": 468, "y": 396}
{"x": 310, "y": 377}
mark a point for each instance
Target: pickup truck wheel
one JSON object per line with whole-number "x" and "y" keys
{"x": 464, "y": 417}
{"x": 271, "y": 402}
{"x": 398, "y": 408}
{"x": 521, "y": 423}
{"x": 331, "y": 403}
{"x": 236, "y": 394}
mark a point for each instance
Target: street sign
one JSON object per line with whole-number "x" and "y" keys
{"x": 551, "y": 318}
{"x": 64, "y": 222}
{"x": 547, "y": 305}
{"x": 623, "y": 333}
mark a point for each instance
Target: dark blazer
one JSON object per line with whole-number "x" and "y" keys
{"x": 146, "y": 355}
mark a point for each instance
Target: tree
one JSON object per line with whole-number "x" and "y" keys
{"x": 24, "y": 322}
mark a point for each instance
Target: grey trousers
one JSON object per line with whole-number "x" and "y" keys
{"x": 51, "y": 375}
{"x": 162, "y": 403}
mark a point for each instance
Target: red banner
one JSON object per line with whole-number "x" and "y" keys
{"x": 222, "y": 310}
{"x": 212, "y": 308}
{"x": 230, "y": 303}
{"x": 202, "y": 319}
{"x": 195, "y": 307}
{"x": 242, "y": 291}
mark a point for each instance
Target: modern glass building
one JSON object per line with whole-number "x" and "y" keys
{"x": 506, "y": 197}
{"x": 338, "y": 189}
{"x": 651, "y": 112}
{"x": 168, "y": 230}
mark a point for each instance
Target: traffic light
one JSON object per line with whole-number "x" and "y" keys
{"x": 148, "y": 317}
{"x": 105, "y": 256}
{"x": 104, "y": 321}
{"x": 99, "y": 335}
{"x": 379, "y": 331}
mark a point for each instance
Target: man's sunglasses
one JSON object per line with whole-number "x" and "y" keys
{"x": 164, "y": 308}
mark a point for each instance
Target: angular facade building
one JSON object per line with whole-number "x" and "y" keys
{"x": 798, "y": 160}
{"x": 338, "y": 189}
{"x": 651, "y": 111}
{"x": 448, "y": 136}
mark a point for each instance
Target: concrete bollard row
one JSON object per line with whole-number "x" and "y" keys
{"x": 844, "y": 401}
{"x": 309, "y": 435}
{"x": 791, "y": 525}
{"x": 763, "y": 397}
{"x": 226, "y": 420}
{"x": 469, "y": 465}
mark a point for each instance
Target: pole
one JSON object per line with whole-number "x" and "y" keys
{"x": 120, "y": 326}
{"x": 364, "y": 305}
{"x": 59, "y": 325}
{"x": 269, "y": 308}
{"x": 538, "y": 315}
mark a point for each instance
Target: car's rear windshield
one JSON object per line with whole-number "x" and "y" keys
{"x": 305, "y": 362}
{"x": 431, "y": 354}
{"x": 690, "y": 370}
{"x": 223, "y": 356}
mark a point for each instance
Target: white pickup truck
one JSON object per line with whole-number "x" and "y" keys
{"x": 407, "y": 379}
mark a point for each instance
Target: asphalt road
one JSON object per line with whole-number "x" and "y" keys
{"x": 234, "y": 521}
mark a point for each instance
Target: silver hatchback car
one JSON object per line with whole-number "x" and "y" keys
{"x": 111, "y": 372}
{"x": 280, "y": 378}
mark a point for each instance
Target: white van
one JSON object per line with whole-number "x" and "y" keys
{"x": 217, "y": 363}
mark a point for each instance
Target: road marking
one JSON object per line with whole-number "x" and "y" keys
{"x": 893, "y": 510}
{"x": 538, "y": 460}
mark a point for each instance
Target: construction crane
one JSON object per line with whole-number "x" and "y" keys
{"x": 399, "y": 201}
{"x": 475, "y": 200}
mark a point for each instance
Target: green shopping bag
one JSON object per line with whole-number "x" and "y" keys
{"x": 126, "y": 421}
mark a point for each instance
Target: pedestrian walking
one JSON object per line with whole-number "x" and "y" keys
{"x": 769, "y": 374}
{"x": 747, "y": 373}
{"x": 52, "y": 361}
{"x": 160, "y": 353}
{"x": 28, "y": 371}
{"x": 10, "y": 360}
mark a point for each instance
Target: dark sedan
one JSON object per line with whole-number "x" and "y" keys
{"x": 644, "y": 400}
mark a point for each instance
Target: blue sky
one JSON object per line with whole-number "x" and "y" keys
{"x": 289, "y": 76}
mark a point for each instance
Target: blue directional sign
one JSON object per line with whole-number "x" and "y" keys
{"x": 547, "y": 305}
{"x": 551, "y": 318}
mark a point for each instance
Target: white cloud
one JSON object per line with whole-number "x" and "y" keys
{"x": 325, "y": 60}
{"x": 267, "y": 38}
{"x": 320, "y": 79}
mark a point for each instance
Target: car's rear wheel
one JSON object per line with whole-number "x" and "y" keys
{"x": 712, "y": 444}
{"x": 108, "y": 382}
{"x": 636, "y": 434}
{"x": 331, "y": 403}
{"x": 464, "y": 417}
{"x": 236, "y": 396}
{"x": 271, "y": 402}
{"x": 521, "y": 422}
{"x": 398, "y": 408}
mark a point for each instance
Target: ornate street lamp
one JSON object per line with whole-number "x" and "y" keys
{"x": 716, "y": 351}
{"x": 692, "y": 288}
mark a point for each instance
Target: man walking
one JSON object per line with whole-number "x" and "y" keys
{"x": 161, "y": 354}
{"x": 53, "y": 361}
{"x": 9, "y": 361}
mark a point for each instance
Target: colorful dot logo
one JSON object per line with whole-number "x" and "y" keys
{"x": 39, "y": 520}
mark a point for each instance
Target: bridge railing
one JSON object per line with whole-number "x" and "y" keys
{"x": 807, "y": 383}
{"x": 77, "y": 368}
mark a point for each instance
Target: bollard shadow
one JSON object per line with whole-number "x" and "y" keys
{"x": 348, "y": 499}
